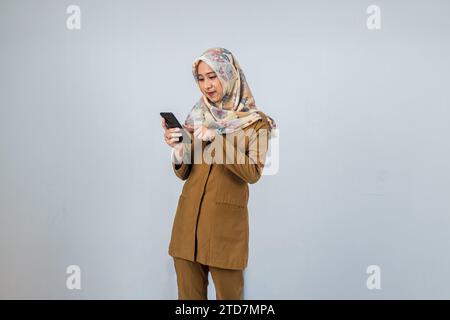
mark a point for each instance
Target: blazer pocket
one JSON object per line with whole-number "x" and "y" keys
{"x": 229, "y": 203}
{"x": 231, "y": 190}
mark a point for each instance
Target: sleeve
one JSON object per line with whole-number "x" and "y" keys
{"x": 247, "y": 164}
{"x": 183, "y": 167}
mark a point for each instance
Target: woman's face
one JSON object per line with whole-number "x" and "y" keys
{"x": 209, "y": 82}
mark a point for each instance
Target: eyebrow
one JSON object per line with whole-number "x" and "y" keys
{"x": 199, "y": 74}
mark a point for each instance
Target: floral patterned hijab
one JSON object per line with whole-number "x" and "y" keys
{"x": 240, "y": 110}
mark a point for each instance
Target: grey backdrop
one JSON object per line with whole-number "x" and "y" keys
{"x": 364, "y": 179}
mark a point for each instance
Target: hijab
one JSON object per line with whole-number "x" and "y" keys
{"x": 237, "y": 108}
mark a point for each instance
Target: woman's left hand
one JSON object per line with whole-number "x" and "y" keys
{"x": 203, "y": 133}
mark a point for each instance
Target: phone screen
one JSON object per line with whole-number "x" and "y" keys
{"x": 171, "y": 120}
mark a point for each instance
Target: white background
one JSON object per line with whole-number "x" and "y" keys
{"x": 364, "y": 179}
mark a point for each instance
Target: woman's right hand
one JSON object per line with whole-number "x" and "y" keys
{"x": 171, "y": 136}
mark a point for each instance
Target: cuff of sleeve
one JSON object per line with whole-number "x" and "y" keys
{"x": 186, "y": 158}
{"x": 174, "y": 159}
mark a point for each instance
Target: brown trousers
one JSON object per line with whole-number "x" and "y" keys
{"x": 192, "y": 280}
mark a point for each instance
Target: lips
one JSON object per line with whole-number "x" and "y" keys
{"x": 211, "y": 93}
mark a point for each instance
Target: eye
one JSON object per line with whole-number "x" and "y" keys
{"x": 213, "y": 77}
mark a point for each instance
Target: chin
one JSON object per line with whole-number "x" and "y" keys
{"x": 218, "y": 99}
{"x": 213, "y": 100}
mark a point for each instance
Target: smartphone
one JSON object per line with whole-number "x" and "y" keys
{"x": 172, "y": 122}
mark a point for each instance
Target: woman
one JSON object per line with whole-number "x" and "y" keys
{"x": 210, "y": 230}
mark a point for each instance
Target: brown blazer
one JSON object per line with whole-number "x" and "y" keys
{"x": 212, "y": 207}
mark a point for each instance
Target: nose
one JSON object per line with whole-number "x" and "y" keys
{"x": 207, "y": 84}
